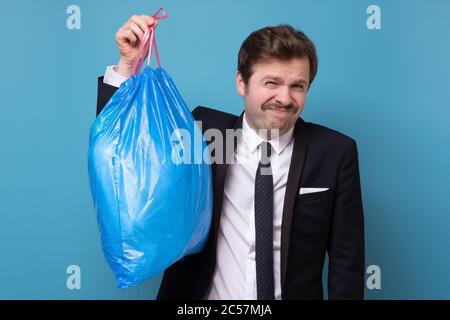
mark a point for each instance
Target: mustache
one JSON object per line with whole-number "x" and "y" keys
{"x": 277, "y": 106}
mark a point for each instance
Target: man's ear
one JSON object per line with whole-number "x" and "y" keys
{"x": 240, "y": 85}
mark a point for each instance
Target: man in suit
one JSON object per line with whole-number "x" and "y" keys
{"x": 291, "y": 194}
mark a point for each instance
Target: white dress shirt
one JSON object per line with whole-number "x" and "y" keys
{"x": 235, "y": 275}
{"x": 112, "y": 77}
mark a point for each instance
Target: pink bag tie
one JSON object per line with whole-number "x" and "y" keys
{"x": 148, "y": 43}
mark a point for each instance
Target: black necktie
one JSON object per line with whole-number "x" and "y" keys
{"x": 264, "y": 226}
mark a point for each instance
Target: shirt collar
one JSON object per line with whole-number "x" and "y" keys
{"x": 253, "y": 140}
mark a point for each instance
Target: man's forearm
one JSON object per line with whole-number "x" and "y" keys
{"x": 107, "y": 85}
{"x": 104, "y": 93}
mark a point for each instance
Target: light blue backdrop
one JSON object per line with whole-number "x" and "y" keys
{"x": 389, "y": 89}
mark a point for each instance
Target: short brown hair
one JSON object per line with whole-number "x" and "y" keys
{"x": 280, "y": 42}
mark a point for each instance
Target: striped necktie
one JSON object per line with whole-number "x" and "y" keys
{"x": 264, "y": 225}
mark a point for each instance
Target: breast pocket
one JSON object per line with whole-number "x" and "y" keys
{"x": 319, "y": 195}
{"x": 312, "y": 216}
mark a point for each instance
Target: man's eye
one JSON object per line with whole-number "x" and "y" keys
{"x": 271, "y": 83}
{"x": 300, "y": 86}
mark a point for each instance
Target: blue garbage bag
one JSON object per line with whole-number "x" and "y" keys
{"x": 150, "y": 178}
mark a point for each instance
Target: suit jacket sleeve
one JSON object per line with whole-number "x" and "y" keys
{"x": 346, "y": 243}
{"x": 104, "y": 93}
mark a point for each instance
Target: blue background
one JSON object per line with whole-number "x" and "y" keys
{"x": 389, "y": 89}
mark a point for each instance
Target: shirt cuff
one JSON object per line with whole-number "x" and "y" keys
{"x": 112, "y": 77}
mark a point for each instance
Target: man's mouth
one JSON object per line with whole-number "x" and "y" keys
{"x": 280, "y": 111}
{"x": 278, "y": 108}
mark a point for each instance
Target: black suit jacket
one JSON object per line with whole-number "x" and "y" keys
{"x": 312, "y": 225}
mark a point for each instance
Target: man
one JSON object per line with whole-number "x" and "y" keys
{"x": 271, "y": 231}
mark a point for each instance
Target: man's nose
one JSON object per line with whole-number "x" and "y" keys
{"x": 284, "y": 95}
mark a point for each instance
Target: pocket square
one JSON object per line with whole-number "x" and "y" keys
{"x": 312, "y": 190}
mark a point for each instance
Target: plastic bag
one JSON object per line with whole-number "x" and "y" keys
{"x": 152, "y": 210}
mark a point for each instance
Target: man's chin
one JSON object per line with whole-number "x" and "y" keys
{"x": 280, "y": 127}
{"x": 273, "y": 127}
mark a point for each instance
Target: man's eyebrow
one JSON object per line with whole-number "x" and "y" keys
{"x": 271, "y": 77}
{"x": 276, "y": 78}
{"x": 301, "y": 80}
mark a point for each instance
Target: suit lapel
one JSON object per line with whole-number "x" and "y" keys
{"x": 294, "y": 176}
{"x": 220, "y": 172}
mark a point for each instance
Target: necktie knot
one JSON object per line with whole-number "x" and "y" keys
{"x": 266, "y": 152}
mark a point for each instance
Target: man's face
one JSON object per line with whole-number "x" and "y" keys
{"x": 275, "y": 94}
